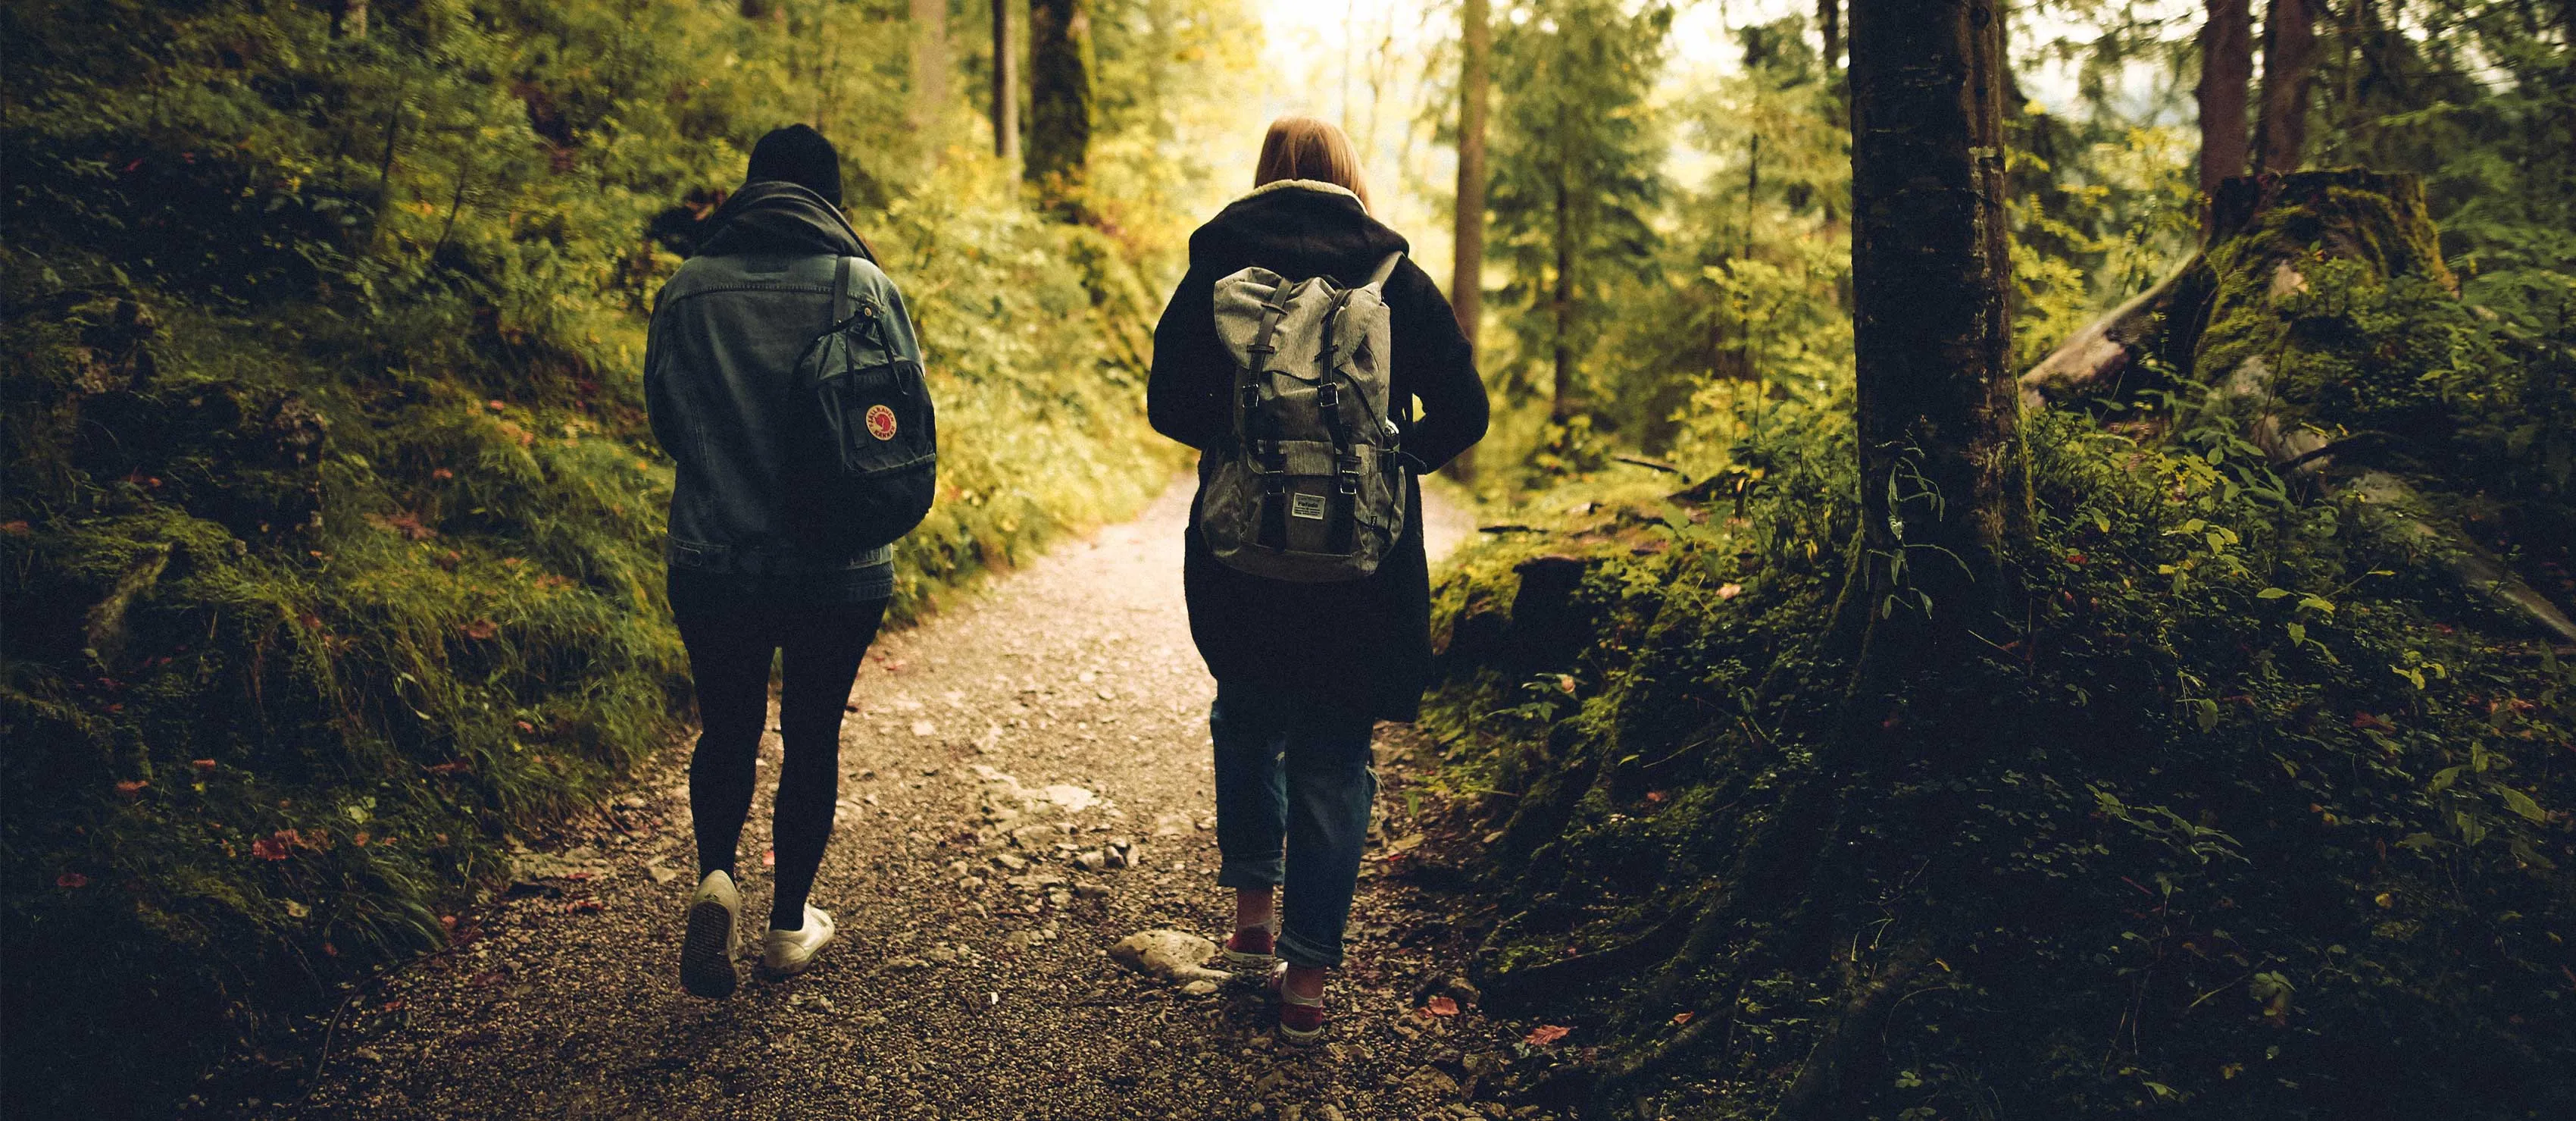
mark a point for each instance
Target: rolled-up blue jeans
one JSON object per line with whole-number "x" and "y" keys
{"x": 1294, "y": 784}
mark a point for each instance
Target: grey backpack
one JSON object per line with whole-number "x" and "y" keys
{"x": 1306, "y": 486}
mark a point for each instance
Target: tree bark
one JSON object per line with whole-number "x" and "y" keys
{"x": 930, "y": 90}
{"x": 1467, "y": 266}
{"x": 1006, "y": 86}
{"x": 1562, "y": 398}
{"x": 1829, "y": 21}
{"x": 2226, "y": 73}
{"x": 2289, "y": 59}
{"x": 1942, "y": 475}
{"x": 349, "y": 19}
{"x": 1058, "y": 145}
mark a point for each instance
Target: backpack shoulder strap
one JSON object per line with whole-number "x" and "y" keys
{"x": 1385, "y": 269}
{"x": 840, "y": 290}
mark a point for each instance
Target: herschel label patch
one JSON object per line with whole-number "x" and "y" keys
{"x": 1306, "y": 506}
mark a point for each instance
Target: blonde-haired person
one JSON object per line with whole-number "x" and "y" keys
{"x": 1304, "y": 671}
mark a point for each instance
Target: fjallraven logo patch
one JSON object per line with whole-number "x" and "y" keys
{"x": 1306, "y": 506}
{"x": 881, "y": 424}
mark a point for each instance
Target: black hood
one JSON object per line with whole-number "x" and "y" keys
{"x": 1297, "y": 230}
{"x": 773, "y": 216}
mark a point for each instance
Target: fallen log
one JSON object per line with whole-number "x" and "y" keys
{"x": 2219, "y": 321}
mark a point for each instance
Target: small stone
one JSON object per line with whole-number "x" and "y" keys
{"x": 1092, "y": 860}
{"x": 1432, "y": 1082}
{"x": 661, "y": 875}
{"x": 1010, "y": 862}
{"x": 632, "y": 801}
{"x": 1090, "y": 891}
{"x": 1200, "y": 987}
{"x": 1463, "y": 991}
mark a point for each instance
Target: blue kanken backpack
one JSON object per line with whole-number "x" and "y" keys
{"x": 877, "y": 475}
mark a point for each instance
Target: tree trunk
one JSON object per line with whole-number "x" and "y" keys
{"x": 1058, "y": 146}
{"x": 2226, "y": 72}
{"x": 930, "y": 91}
{"x": 1829, "y": 21}
{"x": 1467, "y": 272}
{"x": 1006, "y": 86}
{"x": 349, "y": 19}
{"x": 2289, "y": 59}
{"x": 1562, "y": 403}
{"x": 1941, "y": 471}
{"x": 1467, "y": 267}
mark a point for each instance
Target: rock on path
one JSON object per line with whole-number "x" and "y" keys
{"x": 1026, "y": 782}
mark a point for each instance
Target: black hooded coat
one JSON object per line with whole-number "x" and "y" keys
{"x": 1359, "y": 645}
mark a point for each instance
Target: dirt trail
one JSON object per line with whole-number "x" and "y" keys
{"x": 971, "y": 979}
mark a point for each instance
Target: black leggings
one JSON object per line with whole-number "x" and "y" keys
{"x": 730, "y": 642}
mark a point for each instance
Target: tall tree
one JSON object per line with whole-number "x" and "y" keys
{"x": 1058, "y": 146}
{"x": 1467, "y": 271}
{"x": 1941, "y": 474}
{"x": 1467, "y": 264}
{"x": 1006, "y": 86}
{"x": 2226, "y": 71}
{"x": 1577, "y": 171}
{"x": 1829, "y": 22}
{"x": 930, "y": 66}
{"x": 2289, "y": 60}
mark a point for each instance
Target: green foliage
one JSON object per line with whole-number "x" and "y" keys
{"x": 2254, "y": 795}
{"x": 1576, "y": 176}
{"x": 332, "y": 534}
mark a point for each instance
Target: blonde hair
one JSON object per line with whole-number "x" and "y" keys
{"x": 1306, "y": 148}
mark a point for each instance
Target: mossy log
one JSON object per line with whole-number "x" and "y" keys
{"x": 2227, "y": 319}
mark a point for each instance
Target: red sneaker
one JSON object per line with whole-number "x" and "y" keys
{"x": 1252, "y": 952}
{"x": 1301, "y": 1018}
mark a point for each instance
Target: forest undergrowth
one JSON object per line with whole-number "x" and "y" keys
{"x": 331, "y": 530}
{"x": 2263, "y": 814}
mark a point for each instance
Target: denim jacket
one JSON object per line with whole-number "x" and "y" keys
{"x": 719, "y": 367}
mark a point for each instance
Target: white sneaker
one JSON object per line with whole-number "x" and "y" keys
{"x": 706, "y": 951}
{"x": 789, "y": 952}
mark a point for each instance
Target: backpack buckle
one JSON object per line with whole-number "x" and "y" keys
{"x": 1328, "y": 395}
{"x": 1349, "y": 474}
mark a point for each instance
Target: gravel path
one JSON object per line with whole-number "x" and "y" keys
{"x": 994, "y": 761}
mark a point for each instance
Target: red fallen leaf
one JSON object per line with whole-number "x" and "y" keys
{"x": 769, "y": 859}
{"x": 442, "y": 473}
{"x": 579, "y": 875}
{"x": 584, "y": 907}
{"x": 1680, "y": 1018}
{"x": 311, "y": 621}
{"x": 496, "y": 405}
{"x": 18, "y": 526}
{"x": 451, "y": 767}
{"x": 1441, "y": 1006}
{"x": 202, "y": 764}
{"x": 2075, "y": 558}
{"x": 447, "y": 921}
{"x": 487, "y": 978}
{"x": 481, "y": 629}
{"x": 361, "y": 839}
{"x": 1570, "y": 951}
{"x": 131, "y": 787}
{"x": 267, "y": 848}
{"x": 2366, "y": 720}
{"x": 71, "y": 879}
{"x": 1729, "y": 591}
{"x": 1656, "y": 796}
{"x": 329, "y": 950}
{"x": 1546, "y": 1035}
{"x": 524, "y": 726}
